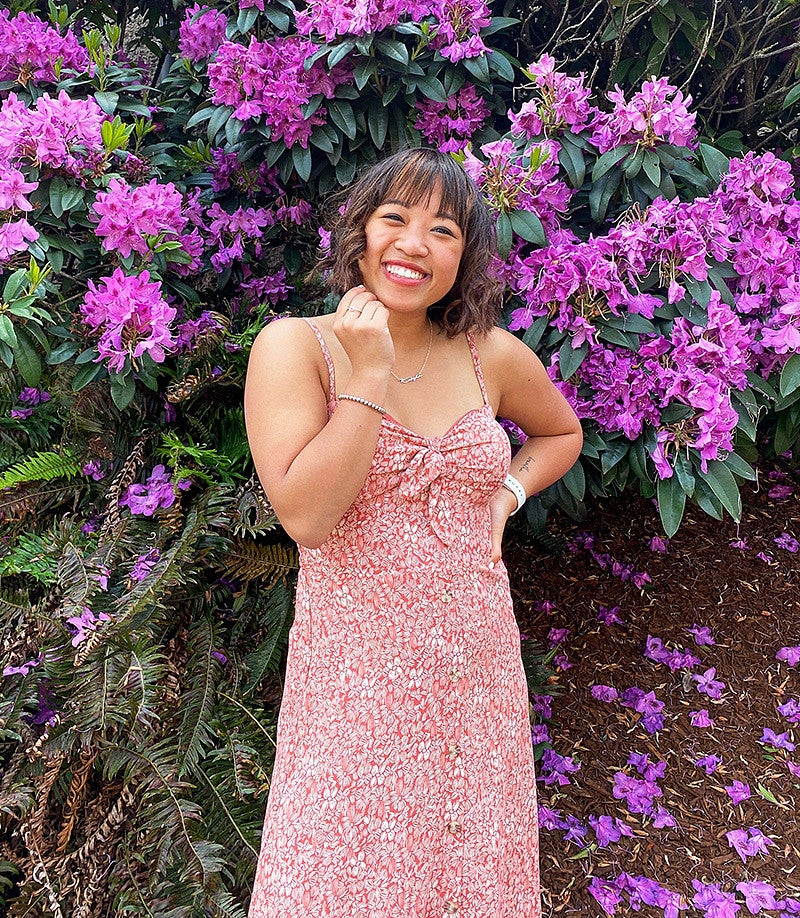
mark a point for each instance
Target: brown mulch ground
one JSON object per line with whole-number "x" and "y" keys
{"x": 751, "y": 605}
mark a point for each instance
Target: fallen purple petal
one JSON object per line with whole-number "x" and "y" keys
{"x": 709, "y": 763}
{"x": 738, "y": 791}
{"x": 758, "y": 896}
{"x": 701, "y": 718}
{"x": 778, "y": 740}
{"x": 604, "y": 693}
{"x": 790, "y": 655}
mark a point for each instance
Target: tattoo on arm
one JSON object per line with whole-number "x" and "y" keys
{"x": 526, "y": 464}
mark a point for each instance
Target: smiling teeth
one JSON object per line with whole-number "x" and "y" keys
{"x": 404, "y": 272}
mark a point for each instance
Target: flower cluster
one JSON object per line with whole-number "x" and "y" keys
{"x": 202, "y": 31}
{"x": 529, "y": 182}
{"x": 458, "y": 34}
{"x": 640, "y": 794}
{"x": 561, "y": 103}
{"x": 243, "y": 78}
{"x": 640, "y": 891}
{"x": 450, "y": 125}
{"x": 29, "y": 397}
{"x": 332, "y": 20}
{"x": 127, "y": 216}
{"x": 656, "y": 114}
{"x": 158, "y": 492}
{"x": 30, "y": 49}
{"x": 133, "y": 317}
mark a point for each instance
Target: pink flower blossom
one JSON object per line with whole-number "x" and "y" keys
{"x": 30, "y": 48}
{"x": 159, "y": 491}
{"x": 758, "y": 896}
{"x": 202, "y": 31}
{"x": 709, "y": 763}
{"x": 738, "y": 791}
{"x": 604, "y": 693}
{"x": 778, "y": 740}
{"x": 748, "y": 842}
{"x": 708, "y": 685}
{"x": 132, "y": 315}
{"x": 450, "y": 125}
{"x": 702, "y": 634}
{"x": 789, "y": 655}
{"x": 787, "y": 541}
{"x": 701, "y": 718}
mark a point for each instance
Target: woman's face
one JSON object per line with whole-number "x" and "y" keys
{"x": 412, "y": 253}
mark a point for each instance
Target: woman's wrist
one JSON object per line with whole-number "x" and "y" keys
{"x": 515, "y": 487}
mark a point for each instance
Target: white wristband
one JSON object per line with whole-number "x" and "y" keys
{"x": 517, "y": 490}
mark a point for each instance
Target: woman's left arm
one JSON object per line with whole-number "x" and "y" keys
{"x": 527, "y": 396}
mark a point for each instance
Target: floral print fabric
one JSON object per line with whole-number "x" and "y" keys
{"x": 404, "y": 779}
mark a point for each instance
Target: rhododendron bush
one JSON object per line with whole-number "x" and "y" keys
{"x": 151, "y": 221}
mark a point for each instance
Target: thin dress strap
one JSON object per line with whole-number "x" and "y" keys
{"x": 328, "y": 359}
{"x": 476, "y": 359}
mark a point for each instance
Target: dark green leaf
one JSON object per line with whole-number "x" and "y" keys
{"x": 715, "y": 161}
{"x": 123, "y": 388}
{"x": 652, "y": 167}
{"x": 792, "y": 96}
{"x": 216, "y": 122}
{"x": 478, "y": 67}
{"x": 723, "y": 484}
{"x": 790, "y": 375}
{"x": 601, "y": 193}
{"x": 364, "y": 70}
{"x": 302, "y": 161}
{"x": 740, "y": 467}
{"x": 575, "y": 481}
{"x": 570, "y": 358}
{"x": 342, "y": 115}
{"x": 27, "y": 358}
{"x": 378, "y": 124}
{"x": 246, "y": 19}
{"x": 393, "y": 49}
{"x": 107, "y": 101}
{"x": 7, "y": 333}
{"x": 278, "y": 18}
{"x": 533, "y": 335}
{"x": 63, "y": 352}
{"x": 505, "y": 235}
{"x": 610, "y": 159}
{"x": 685, "y": 473}
{"x": 528, "y": 226}
{"x": 88, "y": 373}
{"x": 671, "y": 504}
{"x": 501, "y": 65}
{"x": 340, "y": 52}
{"x": 57, "y": 189}
{"x": 573, "y": 162}
{"x": 431, "y": 88}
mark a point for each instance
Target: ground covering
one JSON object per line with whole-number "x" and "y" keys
{"x": 672, "y": 782}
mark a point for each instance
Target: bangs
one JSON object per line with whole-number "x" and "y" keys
{"x": 417, "y": 179}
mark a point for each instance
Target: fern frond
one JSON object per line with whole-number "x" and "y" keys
{"x": 276, "y": 622}
{"x": 197, "y": 734}
{"x": 249, "y": 561}
{"x": 41, "y": 467}
{"x": 32, "y": 556}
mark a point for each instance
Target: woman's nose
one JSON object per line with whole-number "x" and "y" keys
{"x": 412, "y": 240}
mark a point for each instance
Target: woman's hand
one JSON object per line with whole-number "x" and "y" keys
{"x": 361, "y": 325}
{"x": 501, "y": 506}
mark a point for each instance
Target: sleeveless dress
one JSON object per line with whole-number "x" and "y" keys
{"x": 404, "y": 780}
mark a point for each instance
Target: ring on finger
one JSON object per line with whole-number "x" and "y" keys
{"x": 354, "y": 309}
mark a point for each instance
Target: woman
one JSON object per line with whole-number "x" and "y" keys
{"x": 403, "y": 781}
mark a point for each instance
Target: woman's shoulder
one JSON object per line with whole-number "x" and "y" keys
{"x": 499, "y": 345}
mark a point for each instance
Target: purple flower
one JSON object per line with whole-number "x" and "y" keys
{"x": 790, "y": 655}
{"x": 793, "y": 769}
{"x": 556, "y": 767}
{"x": 741, "y": 544}
{"x": 540, "y": 734}
{"x": 450, "y": 125}
{"x": 92, "y": 469}
{"x": 702, "y": 634}
{"x": 609, "y": 830}
{"x": 606, "y": 895}
{"x": 84, "y": 623}
{"x": 748, "y": 842}
{"x": 23, "y": 669}
{"x": 550, "y": 818}
{"x": 631, "y": 696}
{"x": 201, "y": 33}
{"x": 604, "y": 693}
{"x": 557, "y": 635}
{"x": 144, "y": 499}
{"x": 758, "y": 896}
{"x": 708, "y": 685}
{"x": 133, "y": 315}
{"x": 663, "y": 819}
{"x": 784, "y": 540}
{"x": 701, "y": 718}
{"x": 609, "y": 616}
{"x": 543, "y": 706}
{"x": 780, "y": 492}
{"x": 713, "y": 901}
{"x": 658, "y": 544}
{"x": 710, "y": 763}
{"x": 144, "y": 564}
{"x": 790, "y": 710}
{"x": 779, "y": 740}
{"x": 738, "y": 791}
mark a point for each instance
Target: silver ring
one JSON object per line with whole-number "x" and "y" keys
{"x": 353, "y": 309}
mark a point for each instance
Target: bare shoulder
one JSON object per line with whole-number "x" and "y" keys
{"x": 503, "y": 353}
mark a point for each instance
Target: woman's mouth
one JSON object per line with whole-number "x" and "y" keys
{"x": 403, "y": 272}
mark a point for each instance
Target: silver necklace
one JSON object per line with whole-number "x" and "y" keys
{"x": 416, "y": 376}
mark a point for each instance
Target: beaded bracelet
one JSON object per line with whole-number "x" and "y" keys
{"x": 362, "y": 401}
{"x": 515, "y": 486}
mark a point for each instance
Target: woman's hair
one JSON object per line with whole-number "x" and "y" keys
{"x": 475, "y": 300}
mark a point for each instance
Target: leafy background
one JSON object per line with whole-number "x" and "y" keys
{"x": 146, "y": 589}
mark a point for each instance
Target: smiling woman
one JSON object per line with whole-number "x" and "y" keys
{"x": 404, "y": 780}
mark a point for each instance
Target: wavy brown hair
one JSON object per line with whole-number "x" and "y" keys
{"x": 411, "y": 176}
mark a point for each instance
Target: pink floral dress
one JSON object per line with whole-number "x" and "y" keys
{"x": 404, "y": 779}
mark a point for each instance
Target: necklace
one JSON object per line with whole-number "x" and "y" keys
{"x": 416, "y": 376}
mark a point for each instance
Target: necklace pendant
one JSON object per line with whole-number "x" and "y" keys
{"x": 407, "y": 379}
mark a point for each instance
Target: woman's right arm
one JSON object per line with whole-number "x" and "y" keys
{"x": 311, "y": 467}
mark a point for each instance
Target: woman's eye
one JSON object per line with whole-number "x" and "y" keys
{"x": 393, "y": 217}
